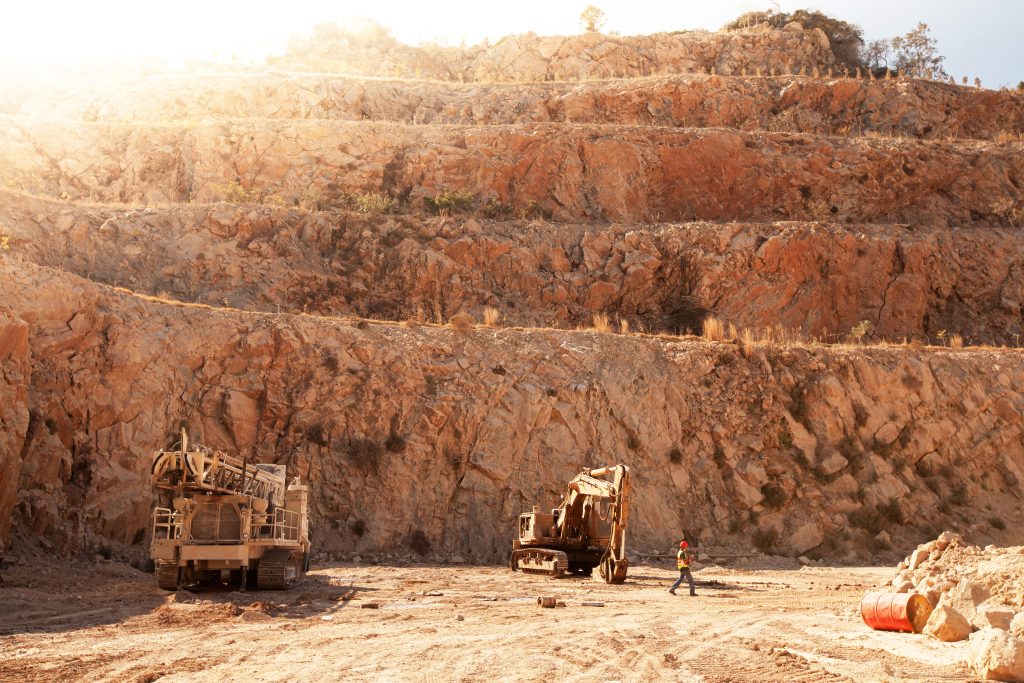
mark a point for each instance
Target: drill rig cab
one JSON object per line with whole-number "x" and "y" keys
{"x": 587, "y": 530}
{"x": 226, "y": 514}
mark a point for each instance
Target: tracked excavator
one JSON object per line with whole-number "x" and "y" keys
{"x": 226, "y": 515}
{"x": 587, "y": 530}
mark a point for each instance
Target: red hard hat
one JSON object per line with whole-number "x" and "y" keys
{"x": 684, "y": 544}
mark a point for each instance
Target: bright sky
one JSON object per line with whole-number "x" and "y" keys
{"x": 978, "y": 38}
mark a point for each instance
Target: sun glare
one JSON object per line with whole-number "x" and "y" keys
{"x": 76, "y": 33}
{"x": 72, "y": 33}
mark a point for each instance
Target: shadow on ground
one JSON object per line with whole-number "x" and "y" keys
{"x": 77, "y": 595}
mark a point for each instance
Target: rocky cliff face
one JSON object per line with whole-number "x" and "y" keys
{"x": 407, "y": 428}
{"x": 834, "y": 106}
{"x": 529, "y": 57}
{"x": 816, "y": 280}
{"x": 577, "y": 171}
{"x": 15, "y": 422}
{"x": 802, "y": 202}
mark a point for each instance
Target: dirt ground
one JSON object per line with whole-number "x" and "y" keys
{"x": 109, "y": 622}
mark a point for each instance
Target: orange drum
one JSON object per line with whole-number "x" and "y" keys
{"x": 906, "y": 612}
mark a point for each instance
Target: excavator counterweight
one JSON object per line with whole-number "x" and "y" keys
{"x": 587, "y": 530}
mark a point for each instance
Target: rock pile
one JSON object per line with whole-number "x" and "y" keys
{"x": 978, "y": 593}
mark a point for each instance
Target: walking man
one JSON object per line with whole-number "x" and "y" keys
{"x": 683, "y": 562}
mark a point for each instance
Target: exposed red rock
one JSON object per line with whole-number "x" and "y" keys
{"x": 816, "y": 279}
{"x": 495, "y": 410}
{"x": 574, "y": 172}
{"x": 839, "y": 106}
{"x": 15, "y": 422}
{"x": 825, "y": 206}
{"x": 529, "y": 57}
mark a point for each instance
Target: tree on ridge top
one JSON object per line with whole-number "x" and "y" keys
{"x": 592, "y": 18}
{"x": 917, "y": 54}
{"x": 914, "y": 54}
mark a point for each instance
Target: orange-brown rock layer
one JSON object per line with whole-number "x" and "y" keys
{"x": 15, "y": 373}
{"x": 912, "y": 108}
{"x": 820, "y": 280}
{"x": 572, "y": 172}
{"x": 529, "y": 57}
{"x": 408, "y": 429}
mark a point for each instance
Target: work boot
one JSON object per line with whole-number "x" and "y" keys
{"x": 692, "y": 593}
{"x": 672, "y": 591}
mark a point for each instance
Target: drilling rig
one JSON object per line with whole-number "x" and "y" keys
{"x": 587, "y": 530}
{"x": 226, "y": 515}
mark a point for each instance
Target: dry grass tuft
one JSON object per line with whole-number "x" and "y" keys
{"x": 462, "y": 322}
{"x": 623, "y": 326}
{"x": 859, "y": 331}
{"x": 713, "y": 329}
{"x": 747, "y": 341}
{"x": 601, "y": 323}
{"x": 1004, "y": 136}
{"x": 956, "y": 341}
{"x": 373, "y": 203}
{"x": 492, "y": 316}
{"x": 234, "y": 193}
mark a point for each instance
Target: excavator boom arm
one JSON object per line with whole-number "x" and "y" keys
{"x": 589, "y": 485}
{"x": 620, "y": 513}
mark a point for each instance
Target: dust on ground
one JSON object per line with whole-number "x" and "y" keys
{"x": 109, "y": 622}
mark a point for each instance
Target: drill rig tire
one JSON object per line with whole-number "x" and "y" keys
{"x": 279, "y": 569}
{"x": 167, "y": 575}
{"x": 252, "y": 576}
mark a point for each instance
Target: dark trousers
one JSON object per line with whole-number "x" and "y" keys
{"x": 684, "y": 573}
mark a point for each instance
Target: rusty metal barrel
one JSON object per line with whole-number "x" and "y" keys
{"x": 905, "y": 612}
{"x": 547, "y": 601}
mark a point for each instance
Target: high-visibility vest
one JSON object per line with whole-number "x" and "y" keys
{"x": 682, "y": 559}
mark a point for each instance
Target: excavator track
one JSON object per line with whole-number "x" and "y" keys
{"x": 277, "y": 570}
{"x": 167, "y": 575}
{"x": 553, "y": 563}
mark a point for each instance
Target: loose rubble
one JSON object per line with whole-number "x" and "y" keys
{"x": 978, "y": 593}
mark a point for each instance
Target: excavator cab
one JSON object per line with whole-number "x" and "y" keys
{"x": 535, "y": 526}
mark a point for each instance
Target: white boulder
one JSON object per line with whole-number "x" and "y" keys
{"x": 997, "y": 655}
{"x": 947, "y": 625}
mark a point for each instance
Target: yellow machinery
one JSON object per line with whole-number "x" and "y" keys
{"x": 587, "y": 530}
{"x": 226, "y": 514}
